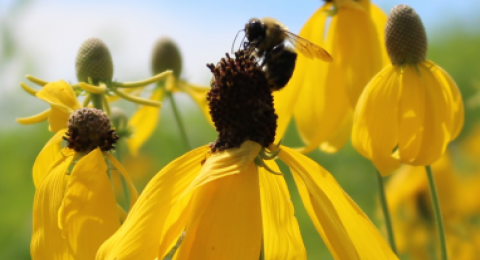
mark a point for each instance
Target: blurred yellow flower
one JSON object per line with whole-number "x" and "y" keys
{"x": 321, "y": 95}
{"x": 166, "y": 56}
{"x": 410, "y": 110}
{"x": 74, "y": 207}
{"x": 412, "y": 215}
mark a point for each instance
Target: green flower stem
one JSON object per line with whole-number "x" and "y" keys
{"x": 183, "y": 133}
{"x": 125, "y": 190}
{"x": 97, "y": 101}
{"x": 386, "y": 213}
{"x": 438, "y": 214}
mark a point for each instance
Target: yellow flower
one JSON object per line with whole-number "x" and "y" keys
{"x": 229, "y": 197}
{"x": 166, "y": 56}
{"x": 228, "y": 204}
{"x": 412, "y": 215}
{"x": 321, "y": 95}
{"x": 410, "y": 110}
{"x": 75, "y": 209}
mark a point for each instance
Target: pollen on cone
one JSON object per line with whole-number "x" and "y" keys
{"x": 94, "y": 61}
{"x": 405, "y": 36}
{"x": 89, "y": 128}
{"x": 241, "y": 103}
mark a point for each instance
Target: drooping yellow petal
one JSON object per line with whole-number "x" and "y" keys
{"x": 379, "y": 19}
{"x": 375, "y": 127}
{"x": 437, "y": 118}
{"x": 224, "y": 163}
{"x": 225, "y": 222}
{"x": 455, "y": 98}
{"x": 357, "y": 49}
{"x": 143, "y": 122}
{"x": 88, "y": 214}
{"x": 199, "y": 95}
{"x": 411, "y": 114}
{"x": 63, "y": 102}
{"x": 338, "y": 138}
{"x": 46, "y": 157}
{"x": 40, "y": 117}
{"x": 219, "y": 165}
{"x": 281, "y": 233}
{"x": 286, "y": 98}
{"x": 346, "y": 230}
{"x": 123, "y": 172}
{"x": 321, "y": 109}
{"x": 47, "y": 240}
{"x": 143, "y": 232}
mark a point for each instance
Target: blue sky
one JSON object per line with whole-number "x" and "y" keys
{"x": 49, "y": 32}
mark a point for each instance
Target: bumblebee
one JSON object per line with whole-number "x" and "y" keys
{"x": 266, "y": 40}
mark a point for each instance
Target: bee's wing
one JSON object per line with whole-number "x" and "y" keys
{"x": 307, "y": 48}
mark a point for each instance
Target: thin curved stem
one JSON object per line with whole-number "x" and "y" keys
{"x": 386, "y": 213}
{"x": 181, "y": 127}
{"x": 438, "y": 213}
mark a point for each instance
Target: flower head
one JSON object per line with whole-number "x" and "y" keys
{"x": 229, "y": 196}
{"x": 75, "y": 208}
{"x": 321, "y": 96}
{"x": 410, "y": 110}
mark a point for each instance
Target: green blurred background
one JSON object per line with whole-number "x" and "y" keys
{"x": 453, "y": 44}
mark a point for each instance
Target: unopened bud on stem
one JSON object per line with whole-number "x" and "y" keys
{"x": 166, "y": 56}
{"x": 94, "y": 61}
{"x": 405, "y": 36}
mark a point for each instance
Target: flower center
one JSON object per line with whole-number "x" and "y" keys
{"x": 405, "y": 36}
{"x": 89, "y": 128}
{"x": 241, "y": 103}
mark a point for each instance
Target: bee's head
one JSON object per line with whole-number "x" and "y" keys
{"x": 255, "y": 30}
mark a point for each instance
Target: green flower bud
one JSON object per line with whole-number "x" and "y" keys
{"x": 405, "y": 36}
{"x": 166, "y": 56}
{"x": 94, "y": 61}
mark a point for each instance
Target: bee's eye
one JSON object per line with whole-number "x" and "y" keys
{"x": 255, "y": 29}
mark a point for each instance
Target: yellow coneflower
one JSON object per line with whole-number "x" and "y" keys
{"x": 75, "y": 209}
{"x": 410, "y": 110}
{"x": 321, "y": 96}
{"x": 166, "y": 56}
{"x": 229, "y": 196}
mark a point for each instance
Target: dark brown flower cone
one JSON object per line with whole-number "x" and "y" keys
{"x": 89, "y": 128}
{"x": 241, "y": 103}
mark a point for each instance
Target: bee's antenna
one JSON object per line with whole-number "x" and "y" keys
{"x": 236, "y": 38}
{"x": 242, "y": 43}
